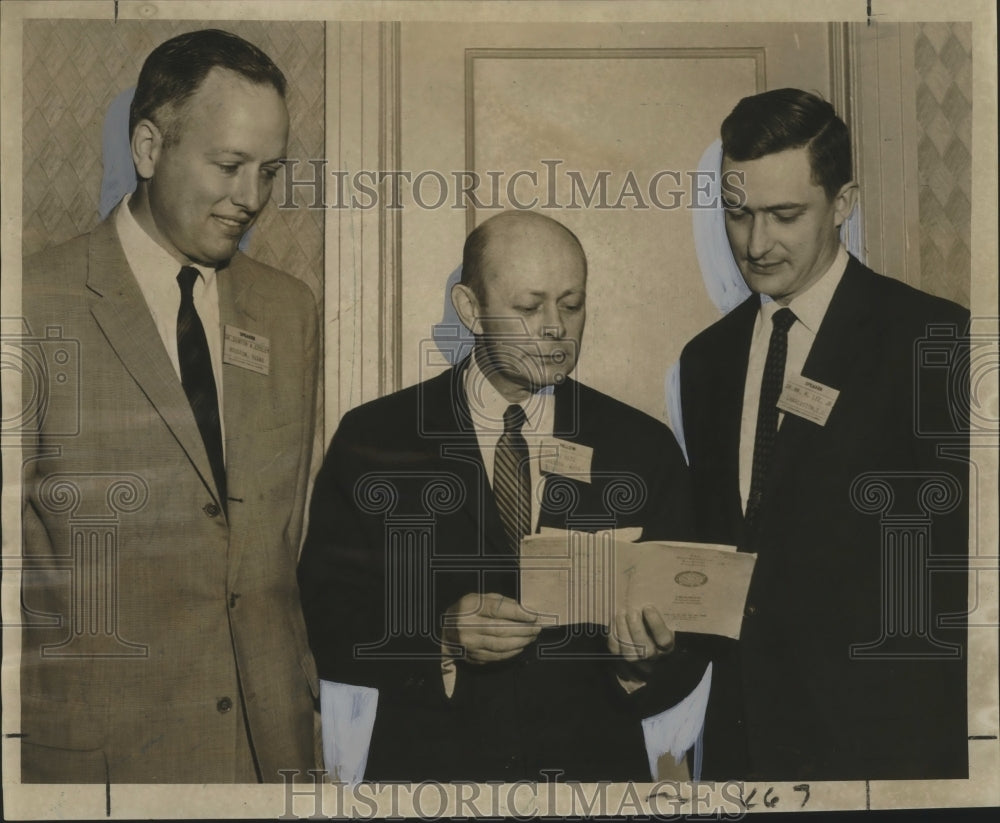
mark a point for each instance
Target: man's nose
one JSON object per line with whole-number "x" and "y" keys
{"x": 759, "y": 243}
{"x": 249, "y": 192}
{"x": 552, "y": 323}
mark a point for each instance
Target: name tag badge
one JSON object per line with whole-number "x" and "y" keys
{"x": 807, "y": 399}
{"x": 565, "y": 458}
{"x": 246, "y": 350}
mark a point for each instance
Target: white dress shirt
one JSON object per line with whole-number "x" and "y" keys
{"x": 487, "y": 407}
{"x": 156, "y": 271}
{"x": 809, "y": 308}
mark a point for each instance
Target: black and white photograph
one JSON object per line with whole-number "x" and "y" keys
{"x": 466, "y": 408}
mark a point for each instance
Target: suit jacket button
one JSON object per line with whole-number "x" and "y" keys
{"x": 750, "y": 610}
{"x": 211, "y": 510}
{"x": 224, "y": 705}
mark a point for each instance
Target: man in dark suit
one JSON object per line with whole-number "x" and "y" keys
{"x": 805, "y": 415}
{"x": 163, "y": 637}
{"x": 409, "y": 572}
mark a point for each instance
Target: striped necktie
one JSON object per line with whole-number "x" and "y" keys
{"x": 512, "y": 478}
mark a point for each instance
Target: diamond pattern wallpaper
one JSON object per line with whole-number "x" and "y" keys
{"x": 73, "y": 70}
{"x": 943, "y": 58}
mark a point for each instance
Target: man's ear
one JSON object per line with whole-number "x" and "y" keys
{"x": 844, "y": 200}
{"x": 466, "y": 306}
{"x": 146, "y": 144}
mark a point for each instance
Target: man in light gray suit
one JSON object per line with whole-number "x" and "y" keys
{"x": 163, "y": 639}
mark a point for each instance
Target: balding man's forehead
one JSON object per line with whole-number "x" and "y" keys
{"x": 526, "y": 237}
{"x": 543, "y": 250}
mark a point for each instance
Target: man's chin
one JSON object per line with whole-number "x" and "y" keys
{"x": 216, "y": 257}
{"x": 552, "y": 375}
{"x": 766, "y": 284}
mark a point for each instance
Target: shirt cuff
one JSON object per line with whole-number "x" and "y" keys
{"x": 449, "y": 672}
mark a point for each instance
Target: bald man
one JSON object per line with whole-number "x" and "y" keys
{"x": 409, "y": 573}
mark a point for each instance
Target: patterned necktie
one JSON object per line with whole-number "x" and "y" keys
{"x": 198, "y": 378}
{"x": 512, "y": 478}
{"x": 767, "y": 411}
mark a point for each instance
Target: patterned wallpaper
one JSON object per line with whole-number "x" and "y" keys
{"x": 73, "y": 69}
{"x": 943, "y": 62}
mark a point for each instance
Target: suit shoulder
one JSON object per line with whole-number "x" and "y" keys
{"x": 722, "y": 331}
{"x": 383, "y": 418}
{"x": 54, "y": 284}
{"x": 388, "y": 432}
{"x": 909, "y": 303}
{"x": 274, "y": 283}
{"x": 57, "y": 262}
{"x": 603, "y": 409}
{"x": 387, "y": 404}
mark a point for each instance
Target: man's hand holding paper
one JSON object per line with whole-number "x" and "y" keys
{"x": 488, "y": 628}
{"x": 640, "y": 637}
{"x": 580, "y": 577}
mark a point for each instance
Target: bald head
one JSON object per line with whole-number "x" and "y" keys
{"x": 515, "y": 233}
{"x": 523, "y": 293}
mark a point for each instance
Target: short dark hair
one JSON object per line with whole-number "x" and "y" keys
{"x": 476, "y": 244}
{"x": 783, "y": 119}
{"x": 175, "y": 69}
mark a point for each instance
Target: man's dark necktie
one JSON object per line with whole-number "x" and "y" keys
{"x": 198, "y": 378}
{"x": 767, "y": 411}
{"x": 512, "y": 478}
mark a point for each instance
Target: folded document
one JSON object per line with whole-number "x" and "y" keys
{"x": 585, "y": 577}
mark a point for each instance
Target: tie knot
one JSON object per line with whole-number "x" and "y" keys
{"x": 513, "y": 418}
{"x": 186, "y": 278}
{"x": 783, "y": 319}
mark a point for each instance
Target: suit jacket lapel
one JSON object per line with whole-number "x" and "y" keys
{"x": 730, "y": 383}
{"x": 244, "y": 403}
{"x": 445, "y": 412}
{"x": 843, "y": 338}
{"x": 845, "y": 332}
{"x": 568, "y": 423}
{"x": 244, "y": 393}
{"x": 119, "y": 308}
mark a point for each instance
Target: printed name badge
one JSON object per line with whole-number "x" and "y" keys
{"x": 565, "y": 458}
{"x": 246, "y": 350}
{"x": 808, "y": 399}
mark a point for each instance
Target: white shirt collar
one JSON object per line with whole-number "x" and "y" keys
{"x": 153, "y": 266}
{"x": 811, "y": 305}
{"x": 487, "y": 405}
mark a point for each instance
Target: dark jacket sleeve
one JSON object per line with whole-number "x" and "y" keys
{"x": 357, "y": 631}
{"x": 669, "y": 515}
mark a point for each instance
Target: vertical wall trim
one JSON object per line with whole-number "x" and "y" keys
{"x": 884, "y": 118}
{"x": 844, "y": 97}
{"x": 330, "y": 310}
{"x": 390, "y": 229}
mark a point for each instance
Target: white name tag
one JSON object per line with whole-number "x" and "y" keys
{"x": 565, "y": 458}
{"x": 808, "y": 399}
{"x": 246, "y": 350}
